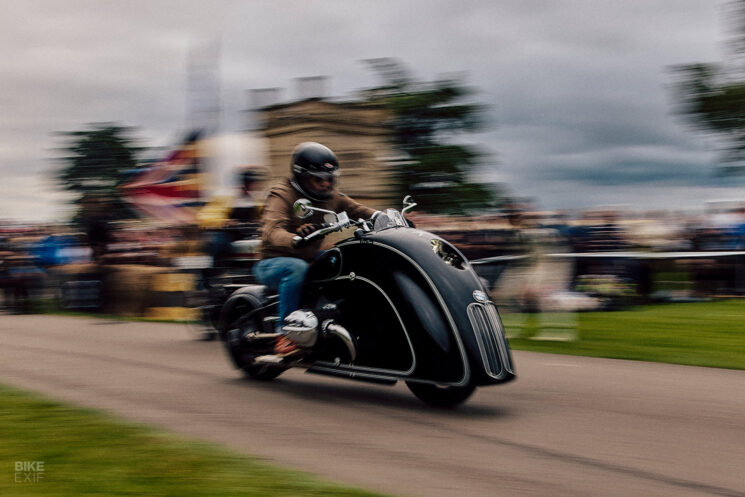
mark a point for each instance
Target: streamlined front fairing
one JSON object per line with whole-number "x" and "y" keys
{"x": 419, "y": 310}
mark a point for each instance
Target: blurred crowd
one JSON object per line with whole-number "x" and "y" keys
{"x": 65, "y": 264}
{"x": 601, "y": 258}
{"x": 595, "y": 230}
{"x": 531, "y": 259}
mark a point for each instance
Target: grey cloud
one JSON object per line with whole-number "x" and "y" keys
{"x": 577, "y": 88}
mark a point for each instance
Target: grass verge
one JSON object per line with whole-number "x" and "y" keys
{"x": 700, "y": 334}
{"x": 84, "y": 452}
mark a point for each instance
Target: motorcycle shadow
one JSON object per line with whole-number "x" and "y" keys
{"x": 342, "y": 393}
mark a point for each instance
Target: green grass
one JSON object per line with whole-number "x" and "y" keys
{"x": 87, "y": 453}
{"x": 701, "y": 334}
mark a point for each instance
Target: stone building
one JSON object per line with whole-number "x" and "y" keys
{"x": 356, "y": 132}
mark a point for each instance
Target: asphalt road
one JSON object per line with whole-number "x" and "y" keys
{"x": 568, "y": 426}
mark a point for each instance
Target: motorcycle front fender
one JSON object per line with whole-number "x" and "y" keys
{"x": 457, "y": 337}
{"x": 425, "y": 310}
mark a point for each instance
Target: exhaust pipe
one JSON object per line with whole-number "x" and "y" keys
{"x": 330, "y": 327}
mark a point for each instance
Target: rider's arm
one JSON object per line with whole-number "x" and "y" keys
{"x": 276, "y": 224}
{"x": 278, "y": 229}
{"x": 353, "y": 209}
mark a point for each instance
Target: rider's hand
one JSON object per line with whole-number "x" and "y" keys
{"x": 307, "y": 229}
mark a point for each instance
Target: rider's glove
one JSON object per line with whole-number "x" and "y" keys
{"x": 302, "y": 232}
{"x": 307, "y": 229}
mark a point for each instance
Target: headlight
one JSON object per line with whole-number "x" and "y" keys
{"x": 448, "y": 254}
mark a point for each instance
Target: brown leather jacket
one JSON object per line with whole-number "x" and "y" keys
{"x": 279, "y": 222}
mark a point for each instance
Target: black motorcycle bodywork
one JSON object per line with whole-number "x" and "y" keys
{"x": 415, "y": 308}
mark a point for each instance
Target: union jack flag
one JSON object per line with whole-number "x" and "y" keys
{"x": 170, "y": 190}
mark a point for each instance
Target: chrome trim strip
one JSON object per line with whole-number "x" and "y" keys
{"x": 342, "y": 367}
{"x": 486, "y": 326}
{"x": 487, "y": 346}
{"x": 456, "y": 333}
{"x": 499, "y": 335}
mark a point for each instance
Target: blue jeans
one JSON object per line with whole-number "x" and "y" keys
{"x": 286, "y": 275}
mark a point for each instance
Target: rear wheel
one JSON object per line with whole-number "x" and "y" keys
{"x": 440, "y": 395}
{"x": 243, "y": 354}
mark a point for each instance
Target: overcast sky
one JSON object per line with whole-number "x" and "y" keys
{"x": 579, "y": 91}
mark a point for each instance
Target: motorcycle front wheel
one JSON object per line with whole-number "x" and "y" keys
{"x": 440, "y": 395}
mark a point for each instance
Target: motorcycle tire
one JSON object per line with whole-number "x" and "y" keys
{"x": 440, "y": 395}
{"x": 261, "y": 372}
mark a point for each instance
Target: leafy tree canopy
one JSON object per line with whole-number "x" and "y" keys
{"x": 94, "y": 164}
{"x": 712, "y": 96}
{"x": 426, "y": 116}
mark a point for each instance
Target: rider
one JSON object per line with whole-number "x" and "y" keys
{"x": 284, "y": 262}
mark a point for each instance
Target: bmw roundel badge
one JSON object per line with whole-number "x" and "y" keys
{"x": 479, "y": 296}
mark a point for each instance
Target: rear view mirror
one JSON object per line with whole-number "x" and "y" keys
{"x": 408, "y": 204}
{"x": 302, "y": 208}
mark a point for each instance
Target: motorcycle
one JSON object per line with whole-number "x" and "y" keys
{"x": 389, "y": 303}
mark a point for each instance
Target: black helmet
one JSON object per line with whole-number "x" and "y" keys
{"x": 313, "y": 159}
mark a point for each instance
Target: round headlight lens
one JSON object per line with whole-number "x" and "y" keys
{"x": 448, "y": 254}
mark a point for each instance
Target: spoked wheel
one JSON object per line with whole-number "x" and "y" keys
{"x": 243, "y": 354}
{"x": 440, "y": 395}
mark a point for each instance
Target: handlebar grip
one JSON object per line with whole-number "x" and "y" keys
{"x": 298, "y": 241}
{"x": 315, "y": 233}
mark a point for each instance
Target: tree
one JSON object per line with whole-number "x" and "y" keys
{"x": 712, "y": 97}
{"x": 95, "y": 163}
{"x": 425, "y": 115}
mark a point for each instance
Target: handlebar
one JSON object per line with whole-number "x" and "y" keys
{"x": 326, "y": 228}
{"x": 303, "y": 209}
